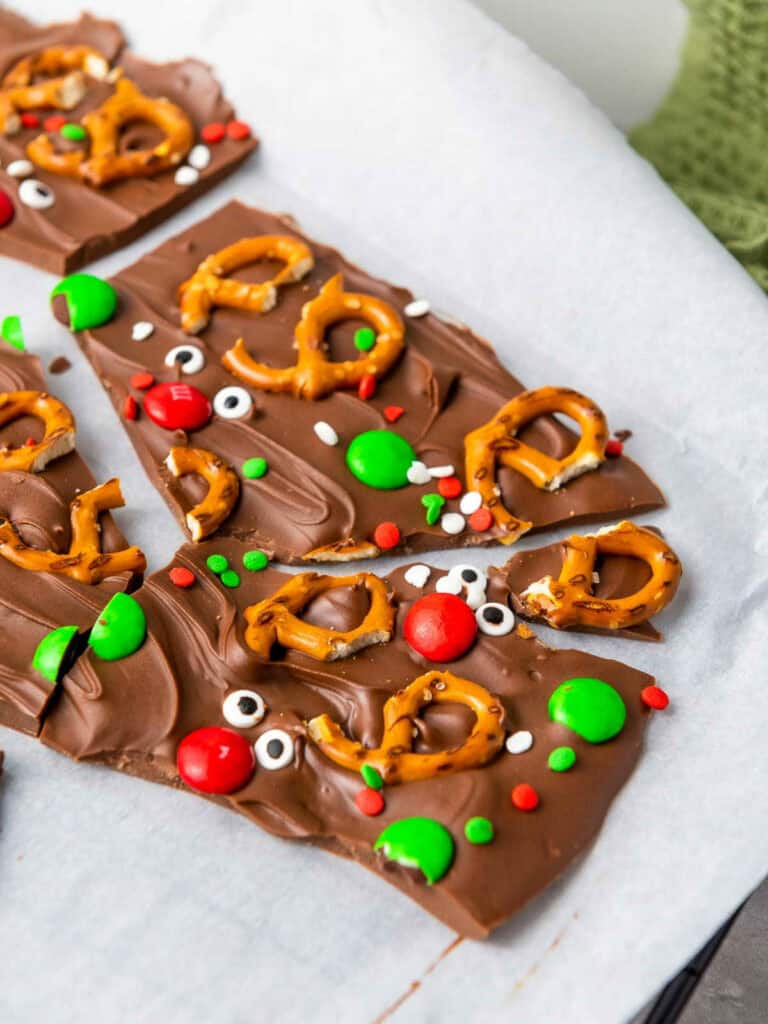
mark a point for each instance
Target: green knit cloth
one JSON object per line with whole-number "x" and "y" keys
{"x": 709, "y": 138}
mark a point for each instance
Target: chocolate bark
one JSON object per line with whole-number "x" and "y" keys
{"x": 309, "y": 505}
{"x": 85, "y": 222}
{"x": 133, "y": 713}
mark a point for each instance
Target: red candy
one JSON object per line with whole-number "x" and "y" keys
{"x": 181, "y": 577}
{"x": 481, "y": 520}
{"x": 213, "y": 132}
{"x": 142, "y": 381}
{"x": 392, "y": 413}
{"x": 130, "y": 408}
{"x": 54, "y": 122}
{"x": 654, "y": 697}
{"x": 370, "y": 802}
{"x": 449, "y": 486}
{"x": 177, "y": 406}
{"x": 30, "y": 120}
{"x": 215, "y": 760}
{"x": 367, "y": 387}
{"x": 387, "y": 535}
{"x": 440, "y": 626}
{"x": 238, "y": 130}
{"x": 524, "y": 797}
{"x": 6, "y": 209}
{"x": 613, "y": 448}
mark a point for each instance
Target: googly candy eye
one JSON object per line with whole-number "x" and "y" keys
{"x": 35, "y": 194}
{"x": 466, "y": 579}
{"x": 274, "y": 749}
{"x": 495, "y": 619}
{"x": 232, "y": 403}
{"x": 244, "y": 708}
{"x": 189, "y": 357}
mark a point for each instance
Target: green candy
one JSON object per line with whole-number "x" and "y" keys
{"x": 254, "y": 469}
{"x": 51, "y": 651}
{"x": 119, "y": 630}
{"x": 365, "y": 339}
{"x": 590, "y": 707}
{"x": 479, "y": 831}
{"x": 12, "y": 332}
{"x": 380, "y": 459}
{"x": 91, "y": 301}
{"x": 433, "y": 503}
{"x": 217, "y": 563}
{"x": 418, "y": 843}
{"x": 230, "y": 579}
{"x": 74, "y": 132}
{"x": 255, "y": 561}
{"x": 371, "y": 777}
{"x": 562, "y": 759}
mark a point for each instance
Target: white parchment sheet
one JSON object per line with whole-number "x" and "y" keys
{"x": 436, "y": 150}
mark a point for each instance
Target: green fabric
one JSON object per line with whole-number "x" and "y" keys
{"x": 709, "y": 138}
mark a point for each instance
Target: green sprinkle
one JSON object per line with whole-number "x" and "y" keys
{"x": 217, "y": 563}
{"x": 12, "y": 332}
{"x": 433, "y": 503}
{"x": 230, "y": 578}
{"x": 75, "y": 132}
{"x": 254, "y": 469}
{"x": 371, "y": 777}
{"x": 591, "y": 707}
{"x": 562, "y": 759}
{"x": 365, "y": 339}
{"x": 479, "y": 831}
{"x": 255, "y": 561}
{"x": 119, "y": 630}
{"x": 418, "y": 843}
{"x": 51, "y": 651}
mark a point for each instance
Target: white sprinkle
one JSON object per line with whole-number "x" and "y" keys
{"x": 470, "y": 502}
{"x": 595, "y": 578}
{"x": 419, "y": 307}
{"x": 326, "y": 433}
{"x": 186, "y": 175}
{"x": 417, "y": 576}
{"x": 20, "y": 168}
{"x": 199, "y": 157}
{"x": 449, "y": 584}
{"x": 520, "y": 741}
{"x": 418, "y": 473}
{"x": 440, "y": 471}
{"x": 141, "y": 330}
{"x": 452, "y": 522}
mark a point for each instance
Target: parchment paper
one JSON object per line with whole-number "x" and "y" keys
{"x": 436, "y": 150}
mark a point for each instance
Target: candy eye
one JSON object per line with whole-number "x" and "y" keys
{"x": 495, "y": 619}
{"x": 35, "y": 194}
{"x": 232, "y": 403}
{"x": 189, "y": 357}
{"x": 244, "y": 708}
{"x": 274, "y": 749}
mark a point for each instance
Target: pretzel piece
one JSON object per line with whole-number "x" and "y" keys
{"x": 314, "y": 376}
{"x": 223, "y": 488}
{"x": 394, "y": 758}
{"x": 569, "y": 601}
{"x": 211, "y": 286}
{"x": 59, "y": 423}
{"x": 497, "y": 441}
{"x": 275, "y": 620}
{"x": 84, "y": 561}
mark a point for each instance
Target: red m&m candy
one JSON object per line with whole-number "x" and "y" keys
{"x": 6, "y": 209}
{"x": 440, "y": 626}
{"x": 215, "y": 760}
{"x": 177, "y": 406}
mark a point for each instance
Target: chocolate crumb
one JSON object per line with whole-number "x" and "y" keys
{"x": 59, "y": 365}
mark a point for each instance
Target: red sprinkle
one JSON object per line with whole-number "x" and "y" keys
{"x": 387, "y": 535}
{"x": 370, "y": 802}
{"x": 181, "y": 577}
{"x": 142, "y": 381}
{"x": 30, "y": 442}
{"x": 654, "y": 697}
{"x": 392, "y": 413}
{"x": 481, "y": 520}
{"x": 54, "y": 122}
{"x": 367, "y": 387}
{"x": 30, "y": 120}
{"x": 213, "y": 132}
{"x": 130, "y": 408}
{"x": 449, "y": 486}
{"x": 6, "y": 208}
{"x": 613, "y": 448}
{"x": 525, "y": 797}
{"x": 238, "y": 130}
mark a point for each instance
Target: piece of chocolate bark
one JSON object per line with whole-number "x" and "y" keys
{"x": 61, "y": 555}
{"x": 98, "y": 146}
{"x": 393, "y": 430}
{"x": 417, "y": 731}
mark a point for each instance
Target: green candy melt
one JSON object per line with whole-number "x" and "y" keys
{"x": 418, "y": 843}
{"x": 91, "y": 301}
{"x": 380, "y": 459}
{"x": 591, "y": 707}
{"x": 119, "y": 630}
{"x": 51, "y": 651}
{"x": 12, "y": 333}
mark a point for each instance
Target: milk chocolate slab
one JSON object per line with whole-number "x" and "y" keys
{"x": 34, "y": 603}
{"x": 309, "y": 506}
{"x": 134, "y": 713}
{"x": 85, "y": 221}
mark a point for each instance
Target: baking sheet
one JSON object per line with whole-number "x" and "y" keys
{"x": 436, "y": 150}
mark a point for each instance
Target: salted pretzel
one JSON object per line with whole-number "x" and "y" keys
{"x": 569, "y": 600}
{"x": 497, "y": 441}
{"x": 313, "y": 375}
{"x": 275, "y": 620}
{"x": 394, "y": 758}
{"x": 85, "y": 560}
{"x": 210, "y": 285}
{"x": 63, "y": 70}
{"x": 223, "y": 488}
{"x": 59, "y": 423}
{"x": 105, "y": 162}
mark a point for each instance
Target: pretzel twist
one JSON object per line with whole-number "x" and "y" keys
{"x": 211, "y": 286}
{"x": 496, "y": 441}
{"x": 569, "y": 601}
{"x": 314, "y": 376}
{"x": 59, "y": 423}
{"x": 275, "y": 620}
{"x": 105, "y": 162}
{"x": 84, "y": 561}
{"x": 207, "y": 516}
{"x": 394, "y": 758}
